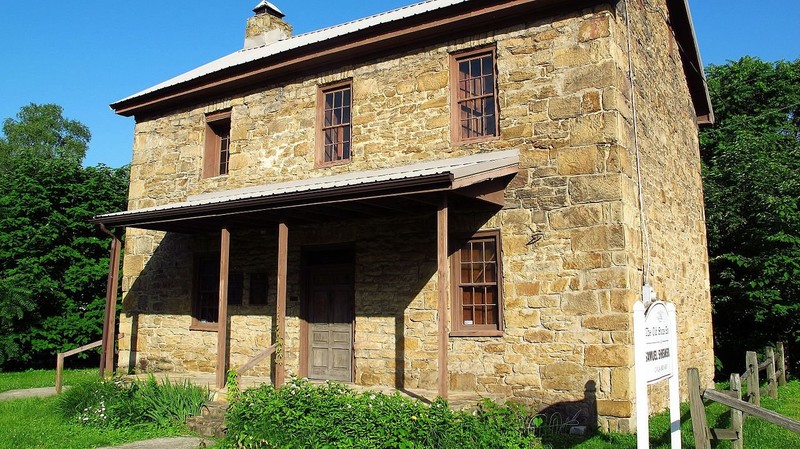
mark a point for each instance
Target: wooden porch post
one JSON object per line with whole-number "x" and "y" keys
{"x": 280, "y": 337}
{"x": 443, "y": 286}
{"x": 222, "y": 316}
{"x": 110, "y": 315}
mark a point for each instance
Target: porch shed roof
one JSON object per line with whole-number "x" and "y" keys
{"x": 413, "y": 183}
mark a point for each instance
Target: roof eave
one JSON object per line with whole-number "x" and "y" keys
{"x": 681, "y": 18}
{"x": 413, "y": 30}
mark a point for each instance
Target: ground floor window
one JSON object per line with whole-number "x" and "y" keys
{"x": 477, "y": 279}
{"x": 205, "y": 303}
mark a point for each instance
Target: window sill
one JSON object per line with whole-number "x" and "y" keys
{"x": 216, "y": 176}
{"x": 204, "y": 327}
{"x": 476, "y": 140}
{"x": 476, "y": 333}
{"x": 332, "y": 164}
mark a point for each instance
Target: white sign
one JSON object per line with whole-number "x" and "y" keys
{"x": 658, "y": 333}
{"x": 655, "y": 344}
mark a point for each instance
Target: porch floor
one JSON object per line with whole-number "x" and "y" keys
{"x": 458, "y": 400}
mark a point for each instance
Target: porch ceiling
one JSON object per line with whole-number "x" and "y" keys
{"x": 476, "y": 179}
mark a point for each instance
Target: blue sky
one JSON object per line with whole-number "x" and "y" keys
{"x": 86, "y": 54}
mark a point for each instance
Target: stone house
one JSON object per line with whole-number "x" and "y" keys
{"x": 458, "y": 196}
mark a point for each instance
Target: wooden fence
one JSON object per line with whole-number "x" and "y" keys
{"x": 741, "y": 404}
{"x": 62, "y": 355}
{"x": 775, "y": 368}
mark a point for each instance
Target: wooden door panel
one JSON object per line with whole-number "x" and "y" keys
{"x": 330, "y": 322}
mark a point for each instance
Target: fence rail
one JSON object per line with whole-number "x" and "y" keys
{"x": 741, "y": 405}
{"x": 257, "y": 359}
{"x": 63, "y": 355}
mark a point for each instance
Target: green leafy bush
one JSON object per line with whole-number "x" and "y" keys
{"x": 116, "y": 403}
{"x": 332, "y": 416}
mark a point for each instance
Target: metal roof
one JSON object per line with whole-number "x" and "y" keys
{"x": 252, "y": 54}
{"x": 446, "y": 174}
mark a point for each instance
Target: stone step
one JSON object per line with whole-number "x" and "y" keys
{"x": 211, "y": 422}
{"x": 214, "y": 409}
{"x": 207, "y": 427}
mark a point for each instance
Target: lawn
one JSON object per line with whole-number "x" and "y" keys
{"x": 758, "y": 434}
{"x": 42, "y": 378}
{"x": 35, "y": 423}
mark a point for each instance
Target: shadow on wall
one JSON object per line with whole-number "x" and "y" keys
{"x": 557, "y": 419}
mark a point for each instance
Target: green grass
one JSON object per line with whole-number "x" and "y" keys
{"x": 42, "y": 378}
{"x": 35, "y": 423}
{"x": 758, "y": 434}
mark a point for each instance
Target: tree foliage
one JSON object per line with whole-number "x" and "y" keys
{"x": 53, "y": 262}
{"x": 751, "y": 167}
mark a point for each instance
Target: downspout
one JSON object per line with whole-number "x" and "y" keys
{"x": 110, "y": 316}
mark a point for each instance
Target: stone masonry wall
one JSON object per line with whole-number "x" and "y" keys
{"x": 671, "y": 183}
{"x": 564, "y": 103}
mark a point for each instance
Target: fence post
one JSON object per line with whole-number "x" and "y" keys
{"x": 698, "y": 411}
{"x": 737, "y": 417}
{"x": 59, "y": 371}
{"x": 773, "y": 381}
{"x": 753, "y": 384}
{"x": 781, "y": 364}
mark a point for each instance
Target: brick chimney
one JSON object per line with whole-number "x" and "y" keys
{"x": 266, "y": 27}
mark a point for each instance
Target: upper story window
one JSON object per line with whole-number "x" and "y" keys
{"x": 473, "y": 84}
{"x": 477, "y": 283}
{"x": 334, "y": 126}
{"x": 218, "y": 144}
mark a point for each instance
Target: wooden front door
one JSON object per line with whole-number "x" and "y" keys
{"x": 330, "y": 315}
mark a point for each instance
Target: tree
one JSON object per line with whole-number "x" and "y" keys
{"x": 53, "y": 262}
{"x": 41, "y": 131}
{"x": 751, "y": 162}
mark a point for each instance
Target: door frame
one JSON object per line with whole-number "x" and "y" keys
{"x": 307, "y": 253}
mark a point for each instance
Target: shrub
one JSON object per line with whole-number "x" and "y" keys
{"x": 116, "y": 403}
{"x": 332, "y": 416}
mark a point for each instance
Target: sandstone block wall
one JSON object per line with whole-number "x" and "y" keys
{"x": 565, "y": 104}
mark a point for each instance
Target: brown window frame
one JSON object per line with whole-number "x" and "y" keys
{"x": 235, "y": 291}
{"x": 216, "y": 156}
{"x": 322, "y": 92}
{"x": 456, "y": 100}
{"x": 459, "y": 329}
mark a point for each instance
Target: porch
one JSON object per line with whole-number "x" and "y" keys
{"x": 467, "y": 184}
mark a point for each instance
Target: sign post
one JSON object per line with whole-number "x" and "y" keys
{"x": 656, "y": 359}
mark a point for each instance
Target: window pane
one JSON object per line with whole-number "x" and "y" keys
{"x": 258, "y": 288}
{"x": 346, "y": 114}
{"x": 479, "y": 316}
{"x": 477, "y": 252}
{"x": 491, "y": 295}
{"x": 346, "y": 150}
{"x": 488, "y": 84}
{"x": 475, "y": 67}
{"x": 347, "y": 97}
{"x": 337, "y": 99}
{"x": 467, "y": 296}
{"x": 328, "y": 117}
{"x": 478, "y": 296}
{"x": 463, "y": 70}
{"x": 490, "y": 271}
{"x": 491, "y": 315}
{"x": 468, "y": 317}
{"x": 488, "y": 68}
